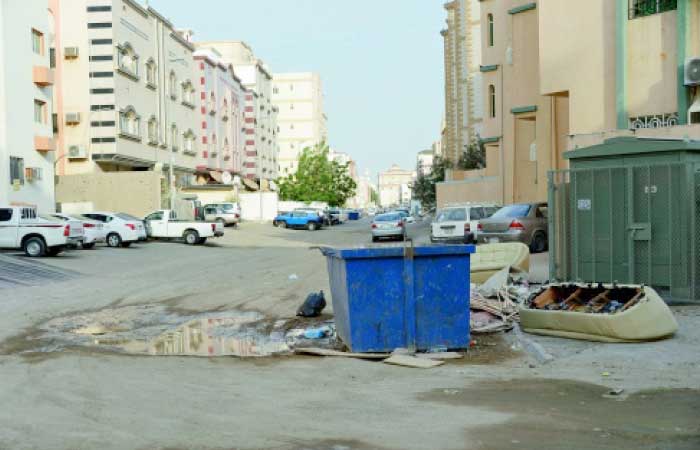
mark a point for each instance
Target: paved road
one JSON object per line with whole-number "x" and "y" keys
{"x": 497, "y": 398}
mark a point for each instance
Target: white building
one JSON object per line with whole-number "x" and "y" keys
{"x": 261, "y": 147}
{"x": 26, "y": 135}
{"x": 425, "y": 161}
{"x": 125, "y": 92}
{"x": 301, "y": 120}
{"x": 395, "y": 186}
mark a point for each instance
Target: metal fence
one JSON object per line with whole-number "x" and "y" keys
{"x": 636, "y": 224}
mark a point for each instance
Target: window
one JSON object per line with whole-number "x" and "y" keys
{"x": 151, "y": 73}
{"x": 39, "y": 111}
{"x": 275, "y": 90}
{"x": 512, "y": 212}
{"x": 158, "y": 215}
{"x": 452, "y": 215}
{"x": 212, "y": 102}
{"x": 101, "y": 42}
{"x": 129, "y": 123}
{"x": 174, "y": 138}
{"x": 489, "y": 22}
{"x": 152, "y": 130}
{"x": 128, "y": 60}
{"x": 16, "y": 170}
{"x": 52, "y": 58}
{"x": 188, "y": 93}
{"x": 291, "y": 87}
{"x": 5, "y": 215}
{"x": 476, "y": 213}
{"x": 642, "y": 8}
{"x": 173, "y": 85}
{"x": 492, "y": 101}
{"x": 99, "y": 25}
{"x": 291, "y": 107}
{"x": 37, "y": 42}
{"x": 99, "y": 8}
{"x": 189, "y": 141}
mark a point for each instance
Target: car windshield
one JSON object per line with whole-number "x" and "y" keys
{"x": 451, "y": 214}
{"x": 388, "y": 218}
{"x": 512, "y": 211}
{"x": 127, "y": 217}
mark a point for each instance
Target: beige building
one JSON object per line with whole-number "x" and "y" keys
{"x": 463, "y": 99}
{"x": 555, "y": 81}
{"x": 261, "y": 158}
{"x": 26, "y": 83}
{"x": 125, "y": 99}
{"x": 395, "y": 186}
{"x": 301, "y": 120}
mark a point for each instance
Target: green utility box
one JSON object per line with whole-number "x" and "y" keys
{"x": 628, "y": 211}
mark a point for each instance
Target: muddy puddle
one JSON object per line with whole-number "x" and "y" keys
{"x": 563, "y": 414}
{"x": 155, "y": 330}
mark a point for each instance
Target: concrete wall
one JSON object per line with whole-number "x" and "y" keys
{"x": 136, "y": 193}
{"x": 478, "y": 189}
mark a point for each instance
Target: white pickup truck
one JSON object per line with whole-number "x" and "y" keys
{"x": 22, "y": 228}
{"x": 163, "y": 224}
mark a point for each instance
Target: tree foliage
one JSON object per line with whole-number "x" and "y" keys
{"x": 318, "y": 179}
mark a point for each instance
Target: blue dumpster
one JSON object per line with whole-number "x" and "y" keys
{"x": 392, "y": 297}
{"x": 354, "y": 215}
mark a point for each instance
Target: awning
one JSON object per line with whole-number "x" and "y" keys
{"x": 250, "y": 184}
{"x": 216, "y": 176}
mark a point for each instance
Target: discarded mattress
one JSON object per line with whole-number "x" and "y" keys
{"x": 604, "y": 313}
{"x": 490, "y": 258}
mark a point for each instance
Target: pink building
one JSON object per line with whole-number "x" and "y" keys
{"x": 221, "y": 115}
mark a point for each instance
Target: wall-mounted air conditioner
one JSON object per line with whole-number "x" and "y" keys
{"x": 72, "y": 118}
{"x": 32, "y": 174}
{"x": 77, "y": 152}
{"x": 71, "y": 52}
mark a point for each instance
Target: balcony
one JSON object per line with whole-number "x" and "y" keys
{"x": 44, "y": 144}
{"x": 42, "y": 76}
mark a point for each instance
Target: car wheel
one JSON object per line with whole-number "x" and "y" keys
{"x": 312, "y": 226}
{"x": 114, "y": 240}
{"x": 191, "y": 237}
{"x": 282, "y": 224}
{"x": 539, "y": 243}
{"x": 89, "y": 246}
{"x": 34, "y": 247}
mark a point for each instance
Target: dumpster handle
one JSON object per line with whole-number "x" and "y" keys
{"x": 410, "y": 299}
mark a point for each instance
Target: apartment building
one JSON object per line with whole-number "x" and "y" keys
{"x": 301, "y": 120}
{"x": 395, "y": 186}
{"x": 126, "y": 101}
{"x": 463, "y": 85}
{"x": 260, "y": 161}
{"x": 221, "y": 96}
{"x": 424, "y": 162}
{"x": 26, "y": 82}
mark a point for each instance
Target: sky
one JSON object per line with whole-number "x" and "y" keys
{"x": 380, "y": 61}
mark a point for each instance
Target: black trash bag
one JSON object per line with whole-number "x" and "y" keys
{"x": 313, "y": 305}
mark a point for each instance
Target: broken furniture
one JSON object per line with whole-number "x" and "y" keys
{"x": 492, "y": 258}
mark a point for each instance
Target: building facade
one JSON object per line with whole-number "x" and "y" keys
{"x": 26, "y": 84}
{"x": 125, "y": 94}
{"x": 462, "y": 55}
{"x": 221, "y": 98}
{"x": 424, "y": 163}
{"x": 395, "y": 186}
{"x": 260, "y": 161}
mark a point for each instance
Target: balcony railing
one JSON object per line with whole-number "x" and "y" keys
{"x": 643, "y": 8}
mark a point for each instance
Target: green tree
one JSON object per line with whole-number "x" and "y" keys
{"x": 424, "y": 187}
{"x": 318, "y": 180}
{"x": 474, "y": 157}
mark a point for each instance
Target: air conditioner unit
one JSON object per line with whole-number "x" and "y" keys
{"x": 692, "y": 71}
{"x": 72, "y": 118}
{"x": 71, "y": 52}
{"x": 32, "y": 174}
{"x": 77, "y": 152}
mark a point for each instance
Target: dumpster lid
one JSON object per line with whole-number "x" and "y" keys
{"x": 397, "y": 252}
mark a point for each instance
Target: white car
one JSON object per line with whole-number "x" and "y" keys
{"x": 163, "y": 224}
{"x": 22, "y": 228}
{"x": 459, "y": 223}
{"x": 121, "y": 230}
{"x": 93, "y": 230}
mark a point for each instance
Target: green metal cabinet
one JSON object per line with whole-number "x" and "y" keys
{"x": 628, "y": 211}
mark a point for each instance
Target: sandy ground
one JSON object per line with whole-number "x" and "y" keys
{"x": 498, "y": 397}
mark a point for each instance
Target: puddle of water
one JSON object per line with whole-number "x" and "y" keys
{"x": 154, "y": 330}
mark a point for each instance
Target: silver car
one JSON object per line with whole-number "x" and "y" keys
{"x": 389, "y": 226}
{"x": 522, "y": 222}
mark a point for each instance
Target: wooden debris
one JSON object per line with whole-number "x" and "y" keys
{"x": 412, "y": 361}
{"x": 326, "y": 352}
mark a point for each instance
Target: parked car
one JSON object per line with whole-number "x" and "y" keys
{"x": 218, "y": 214}
{"x": 22, "y": 228}
{"x": 390, "y": 225}
{"x": 459, "y": 223}
{"x": 121, "y": 230}
{"x": 93, "y": 230}
{"x": 163, "y": 224}
{"x": 231, "y": 208}
{"x": 299, "y": 219}
{"x": 338, "y": 215}
{"x": 522, "y": 222}
{"x": 320, "y": 212}
{"x": 407, "y": 217}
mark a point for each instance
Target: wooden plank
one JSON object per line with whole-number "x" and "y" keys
{"x": 412, "y": 361}
{"x": 442, "y": 355}
{"x": 327, "y": 352}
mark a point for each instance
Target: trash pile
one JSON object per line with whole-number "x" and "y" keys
{"x": 495, "y": 303}
{"x": 586, "y": 299}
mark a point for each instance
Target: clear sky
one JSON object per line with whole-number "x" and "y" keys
{"x": 380, "y": 61}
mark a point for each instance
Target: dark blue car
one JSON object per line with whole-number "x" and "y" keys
{"x": 299, "y": 219}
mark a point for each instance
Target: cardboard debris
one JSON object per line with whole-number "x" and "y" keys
{"x": 327, "y": 352}
{"x": 412, "y": 361}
